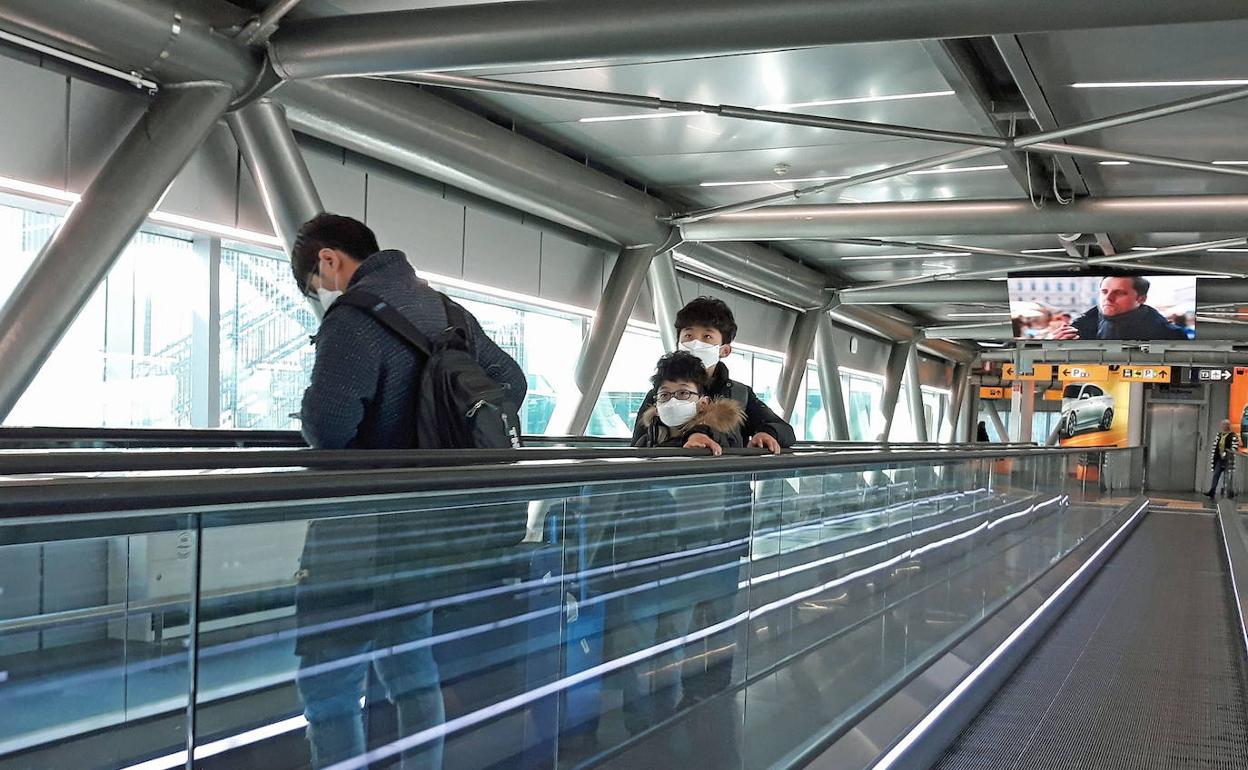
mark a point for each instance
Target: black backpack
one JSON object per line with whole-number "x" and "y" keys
{"x": 458, "y": 404}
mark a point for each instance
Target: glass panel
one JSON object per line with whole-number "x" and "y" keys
{"x": 129, "y": 359}
{"x": 766, "y": 378}
{"x": 816, "y": 423}
{"x": 266, "y": 351}
{"x": 93, "y": 642}
{"x": 627, "y": 384}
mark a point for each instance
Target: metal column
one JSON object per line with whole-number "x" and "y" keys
{"x": 271, "y": 153}
{"x": 610, "y": 319}
{"x": 830, "y": 380}
{"x": 99, "y": 227}
{"x": 1022, "y": 407}
{"x": 793, "y": 372}
{"x": 957, "y": 399}
{"x": 914, "y": 392}
{"x": 665, "y": 293}
{"x": 995, "y": 416}
{"x": 892, "y": 384}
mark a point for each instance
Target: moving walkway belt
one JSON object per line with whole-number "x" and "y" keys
{"x": 1146, "y": 669}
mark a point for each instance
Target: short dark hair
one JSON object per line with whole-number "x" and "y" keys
{"x": 1138, "y": 282}
{"x": 681, "y": 366}
{"x": 708, "y": 311}
{"x": 329, "y": 231}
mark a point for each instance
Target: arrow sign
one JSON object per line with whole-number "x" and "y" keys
{"x": 1213, "y": 375}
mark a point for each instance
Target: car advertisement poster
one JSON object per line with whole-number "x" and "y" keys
{"x": 1095, "y": 412}
{"x": 1239, "y": 405}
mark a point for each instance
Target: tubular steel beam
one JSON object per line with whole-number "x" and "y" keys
{"x": 99, "y": 227}
{"x": 619, "y": 297}
{"x": 665, "y": 295}
{"x": 830, "y": 380}
{"x": 894, "y": 374}
{"x": 505, "y": 34}
{"x": 757, "y": 270}
{"x": 793, "y": 372}
{"x": 914, "y": 395}
{"x": 1196, "y": 213}
{"x": 271, "y": 153}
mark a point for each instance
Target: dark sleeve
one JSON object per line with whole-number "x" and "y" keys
{"x": 760, "y": 419}
{"x": 639, "y": 429}
{"x": 344, "y": 379}
{"x": 1086, "y": 326}
{"x": 501, "y": 367}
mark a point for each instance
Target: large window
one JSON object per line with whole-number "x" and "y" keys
{"x": 129, "y": 357}
{"x": 864, "y": 395}
{"x": 266, "y": 350}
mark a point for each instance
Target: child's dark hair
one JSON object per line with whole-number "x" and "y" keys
{"x": 708, "y": 311}
{"x": 681, "y": 367}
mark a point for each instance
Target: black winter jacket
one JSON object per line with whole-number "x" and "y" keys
{"x": 1143, "y": 323}
{"x": 758, "y": 416}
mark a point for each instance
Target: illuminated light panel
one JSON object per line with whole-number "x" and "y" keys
{"x": 777, "y": 180}
{"x": 1230, "y": 163}
{"x": 1226, "y": 251}
{"x": 927, "y": 255}
{"x": 854, "y": 100}
{"x": 643, "y": 116}
{"x": 1161, "y": 83}
{"x": 1114, "y": 163}
{"x": 959, "y": 170}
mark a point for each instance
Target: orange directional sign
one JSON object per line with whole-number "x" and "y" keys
{"x": 1053, "y": 394}
{"x": 991, "y": 392}
{"x": 1145, "y": 373}
{"x": 1039, "y": 372}
{"x": 1082, "y": 372}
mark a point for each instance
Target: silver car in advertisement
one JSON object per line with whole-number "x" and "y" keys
{"x": 1085, "y": 407}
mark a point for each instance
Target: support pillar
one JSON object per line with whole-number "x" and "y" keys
{"x": 205, "y": 336}
{"x": 995, "y": 416}
{"x": 1022, "y": 407}
{"x": 957, "y": 398}
{"x": 793, "y": 372}
{"x": 830, "y": 380}
{"x": 665, "y": 293}
{"x": 619, "y": 297}
{"x": 914, "y": 394}
{"x": 268, "y": 147}
{"x": 968, "y": 417}
{"x": 892, "y": 384}
{"x": 99, "y": 226}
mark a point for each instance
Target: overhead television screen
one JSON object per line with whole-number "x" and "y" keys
{"x": 1103, "y": 307}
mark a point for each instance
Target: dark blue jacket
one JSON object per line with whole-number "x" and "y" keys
{"x": 362, "y": 394}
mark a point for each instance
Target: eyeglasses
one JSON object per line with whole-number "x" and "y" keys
{"x": 680, "y": 395}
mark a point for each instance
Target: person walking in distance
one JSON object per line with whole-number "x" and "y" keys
{"x": 1222, "y": 461}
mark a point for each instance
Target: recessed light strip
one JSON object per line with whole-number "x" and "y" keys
{"x": 928, "y": 255}
{"x": 959, "y": 169}
{"x": 777, "y": 180}
{"x": 1162, "y": 83}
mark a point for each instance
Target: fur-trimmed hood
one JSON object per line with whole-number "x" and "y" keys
{"x": 721, "y": 415}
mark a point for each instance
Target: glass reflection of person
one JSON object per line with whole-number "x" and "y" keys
{"x": 1121, "y": 313}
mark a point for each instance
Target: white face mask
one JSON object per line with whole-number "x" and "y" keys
{"x": 707, "y": 353}
{"x": 327, "y": 297}
{"x": 674, "y": 413}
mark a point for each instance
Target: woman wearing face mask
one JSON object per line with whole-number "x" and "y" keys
{"x": 683, "y": 415}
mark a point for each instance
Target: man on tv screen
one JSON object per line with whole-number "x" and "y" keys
{"x": 1120, "y": 314}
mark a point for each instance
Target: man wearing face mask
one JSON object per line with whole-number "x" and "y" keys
{"x": 707, "y": 328}
{"x": 363, "y": 396}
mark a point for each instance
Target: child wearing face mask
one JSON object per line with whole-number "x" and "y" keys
{"x": 683, "y": 415}
{"x": 707, "y": 328}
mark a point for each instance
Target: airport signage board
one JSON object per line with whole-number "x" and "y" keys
{"x": 985, "y": 392}
{"x": 1145, "y": 373}
{"x": 1210, "y": 374}
{"x": 1082, "y": 372}
{"x": 1039, "y": 372}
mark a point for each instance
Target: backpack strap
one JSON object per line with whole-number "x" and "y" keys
{"x": 388, "y": 317}
{"x": 457, "y": 322}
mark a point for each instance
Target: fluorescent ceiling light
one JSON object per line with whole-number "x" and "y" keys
{"x": 1161, "y": 83}
{"x": 1227, "y": 251}
{"x": 854, "y": 100}
{"x": 199, "y": 225}
{"x": 1002, "y": 278}
{"x": 1230, "y": 163}
{"x": 642, "y": 116}
{"x": 987, "y": 344}
{"x": 775, "y": 107}
{"x": 1114, "y": 163}
{"x": 979, "y": 315}
{"x": 958, "y": 170}
{"x": 1043, "y": 251}
{"x": 1143, "y": 248}
{"x": 928, "y": 255}
{"x": 777, "y": 180}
